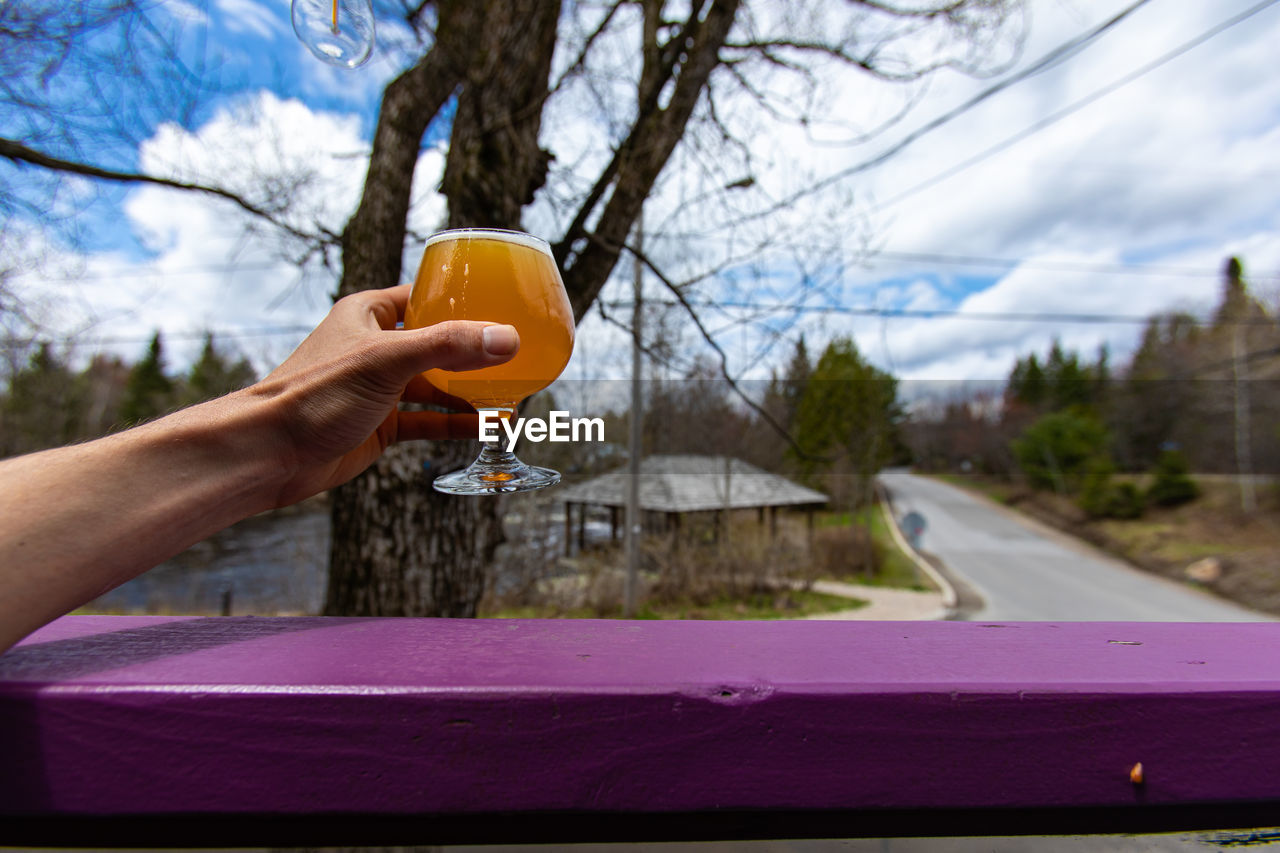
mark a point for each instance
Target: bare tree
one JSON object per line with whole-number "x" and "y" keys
{"x": 691, "y": 86}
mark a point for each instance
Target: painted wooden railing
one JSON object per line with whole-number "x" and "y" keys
{"x": 310, "y": 731}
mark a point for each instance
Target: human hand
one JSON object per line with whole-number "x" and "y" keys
{"x": 336, "y": 396}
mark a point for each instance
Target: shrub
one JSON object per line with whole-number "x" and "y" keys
{"x": 1056, "y": 451}
{"x": 841, "y": 552}
{"x": 1101, "y": 497}
{"x": 1126, "y": 501}
{"x": 1095, "y": 494}
{"x": 1173, "y": 484}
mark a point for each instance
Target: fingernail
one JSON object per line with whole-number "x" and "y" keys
{"x": 500, "y": 340}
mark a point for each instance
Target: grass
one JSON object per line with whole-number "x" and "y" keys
{"x": 1162, "y": 540}
{"x": 779, "y": 604}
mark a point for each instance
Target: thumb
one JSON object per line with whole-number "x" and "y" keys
{"x": 453, "y": 345}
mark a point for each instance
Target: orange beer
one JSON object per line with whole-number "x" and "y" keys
{"x": 501, "y": 277}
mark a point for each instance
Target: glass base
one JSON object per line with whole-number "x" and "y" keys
{"x": 496, "y": 472}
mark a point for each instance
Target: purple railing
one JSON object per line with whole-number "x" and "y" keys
{"x": 199, "y": 731}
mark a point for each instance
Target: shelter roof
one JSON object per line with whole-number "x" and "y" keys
{"x": 683, "y": 483}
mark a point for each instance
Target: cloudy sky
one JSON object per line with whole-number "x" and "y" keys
{"x": 1114, "y": 185}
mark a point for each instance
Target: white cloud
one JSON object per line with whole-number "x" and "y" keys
{"x": 213, "y": 266}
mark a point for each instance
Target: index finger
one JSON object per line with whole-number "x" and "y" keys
{"x": 385, "y": 307}
{"x": 399, "y": 296}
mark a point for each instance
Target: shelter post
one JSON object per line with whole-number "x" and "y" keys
{"x": 568, "y": 529}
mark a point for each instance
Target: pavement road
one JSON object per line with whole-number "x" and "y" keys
{"x": 1024, "y": 571}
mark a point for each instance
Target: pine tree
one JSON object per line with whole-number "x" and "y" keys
{"x": 1172, "y": 484}
{"x": 212, "y": 375}
{"x": 1057, "y": 450}
{"x": 799, "y": 371}
{"x": 848, "y": 413}
{"x": 1236, "y": 302}
{"x": 1028, "y": 383}
{"x": 149, "y": 391}
{"x": 44, "y": 406}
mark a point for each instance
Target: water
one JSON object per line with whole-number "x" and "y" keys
{"x": 275, "y": 563}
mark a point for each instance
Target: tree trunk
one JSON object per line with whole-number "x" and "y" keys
{"x": 400, "y": 548}
{"x": 495, "y": 165}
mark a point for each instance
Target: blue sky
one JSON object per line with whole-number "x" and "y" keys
{"x": 1175, "y": 170}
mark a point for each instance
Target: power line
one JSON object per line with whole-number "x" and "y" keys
{"x": 218, "y": 334}
{"x": 1057, "y": 266}
{"x": 1078, "y": 105}
{"x": 1050, "y": 60}
{"x": 937, "y": 313}
{"x": 944, "y": 258}
{"x": 251, "y": 332}
{"x": 142, "y": 271}
{"x": 990, "y": 261}
{"x": 778, "y": 307}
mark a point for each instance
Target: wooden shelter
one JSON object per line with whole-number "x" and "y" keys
{"x": 674, "y": 485}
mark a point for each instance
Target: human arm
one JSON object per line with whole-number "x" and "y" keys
{"x": 80, "y": 520}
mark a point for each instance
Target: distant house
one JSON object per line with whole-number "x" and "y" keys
{"x": 671, "y": 486}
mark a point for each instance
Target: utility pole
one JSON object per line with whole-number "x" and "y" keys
{"x": 1244, "y": 442}
{"x": 632, "y": 537}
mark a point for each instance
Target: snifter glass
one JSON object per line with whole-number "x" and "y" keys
{"x": 501, "y": 277}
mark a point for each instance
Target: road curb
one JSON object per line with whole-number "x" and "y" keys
{"x": 949, "y": 597}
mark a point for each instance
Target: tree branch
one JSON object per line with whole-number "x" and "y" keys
{"x": 724, "y": 359}
{"x": 768, "y": 50}
{"x": 581, "y": 59}
{"x": 19, "y": 153}
{"x": 637, "y": 163}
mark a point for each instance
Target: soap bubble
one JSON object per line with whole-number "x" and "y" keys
{"x": 340, "y": 32}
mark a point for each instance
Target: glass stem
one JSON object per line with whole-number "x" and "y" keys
{"x": 495, "y": 452}
{"x": 496, "y": 455}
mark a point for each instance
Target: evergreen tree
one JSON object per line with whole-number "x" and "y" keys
{"x": 44, "y": 406}
{"x": 1068, "y": 382}
{"x": 213, "y": 375}
{"x": 1027, "y": 385}
{"x": 1236, "y": 303}
{"x": 782, "y": 397}
{"x": 149, "y": 391}
{"x": 848, "y": 414}
{"x": 1102, "y": 497}
{"x": 799, "y": 371}
{"x": 1172, "y": 484}
{"x": 1057, "y": 450}
{"x": 1101, "y": 377}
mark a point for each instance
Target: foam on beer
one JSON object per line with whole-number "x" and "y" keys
{"x": 517, "y": 237}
